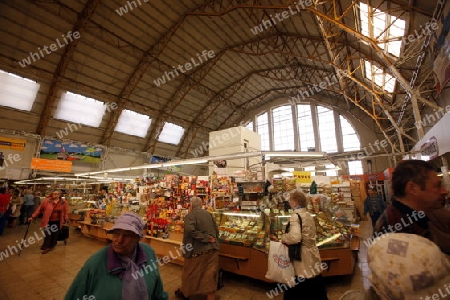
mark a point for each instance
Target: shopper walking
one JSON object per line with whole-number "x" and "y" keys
{"x": 309, "y": 282}
{"x": 16, "y": 205}
{"x": 417, "y": 192}
{"x": 374, "y": 205}
{"x": 124, "y": 270}
{"x": 201, "y": 263}
{"x": 28, "y": 206}
{"x": 37, "y": 203}
{"x": 55, "y": 212}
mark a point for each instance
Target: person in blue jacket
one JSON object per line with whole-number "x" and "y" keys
{"x": 374, "y": 205}
{"x": 126, "y": 269}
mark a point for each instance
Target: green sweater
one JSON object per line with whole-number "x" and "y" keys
{"x": 96, "y": 282}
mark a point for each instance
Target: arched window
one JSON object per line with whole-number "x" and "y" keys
{"x": 350, "y": 140}
{"x": 327, "y": 131}
{"x": 283, "y": 129}
{"x": 305, "y": 127}
{"x": 262, "y": 127}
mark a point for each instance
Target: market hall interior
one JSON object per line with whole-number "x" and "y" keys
{"x": 32, "y": 275}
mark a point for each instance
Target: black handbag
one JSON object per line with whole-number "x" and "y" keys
{"x": 295, "y": 250}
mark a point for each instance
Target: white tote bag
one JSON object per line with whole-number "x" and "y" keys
{"x": 280, "y": 268}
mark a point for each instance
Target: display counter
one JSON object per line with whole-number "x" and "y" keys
{"x": 244, "y": 240}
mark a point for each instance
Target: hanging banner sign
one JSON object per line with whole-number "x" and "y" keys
{"x": 51, "y": 165}
{"x": 12, "y": 144}
{"x": 436, "y": 141}
{"x": 302, "y": 177}
{"x": 430, "y": 148}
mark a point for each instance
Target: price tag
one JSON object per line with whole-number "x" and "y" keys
{"x": 291, "y": 211}
{"x": 276, "y": 211}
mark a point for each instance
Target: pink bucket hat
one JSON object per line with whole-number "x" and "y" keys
{"x": 129, "y": 221}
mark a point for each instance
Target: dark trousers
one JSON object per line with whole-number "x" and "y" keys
{"x": 374, "y": 217}
{"x": 27, "y": 212}
{"x": 310, "y": 288}
{"x": 3, "y": 219}
{"x": 51, "y": 238}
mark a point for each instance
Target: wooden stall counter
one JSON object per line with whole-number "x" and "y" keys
{"x": 340, "y": 261}
{"x": 169, "y": 250}
{"x": 95, "y": 231}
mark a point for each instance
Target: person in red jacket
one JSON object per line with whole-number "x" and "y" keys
{"x": 4, "y": 203}
{"x": 55, "y": 213}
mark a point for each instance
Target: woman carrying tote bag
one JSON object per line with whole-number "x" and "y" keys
{"x": 309, "y": 282}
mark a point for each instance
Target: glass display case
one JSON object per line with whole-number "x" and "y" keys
{"x": 329, "y": 232}
{"x": 242, "y": 229}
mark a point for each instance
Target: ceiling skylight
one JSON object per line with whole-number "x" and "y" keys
{"x": 171, "y": 134}
{"x": 133, "y": 123}
{"x": 80, "y": 109}
{"x": 388, "y": 30}
{"x": 380, "y": 78}
{"x": 17, "y": 92}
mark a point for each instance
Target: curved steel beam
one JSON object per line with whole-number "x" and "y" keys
{"x": 195, "y": 78}
{"x": 83, "y": 20}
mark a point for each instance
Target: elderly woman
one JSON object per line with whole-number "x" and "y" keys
{"x": 126, "y": 269}
{"x": 201, "y": 261}
{"x": 309, "y": 282}
{"x": 55, "y": 212}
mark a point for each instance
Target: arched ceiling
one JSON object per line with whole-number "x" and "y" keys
{"x": 118, "y": 58}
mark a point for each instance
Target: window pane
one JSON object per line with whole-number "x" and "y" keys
{"x": 330, "y": 170}
{"x": 171, "y": 134}
{"x": 283, "y": 128}
{"x": 305, "y": 127}
{"x": 132, "y": 123}
{"x": 383, "y": 27}
{"x": 249, "y": 126}
{"x": 375, "y": 74}
{"x": 355, "y": 167}
{"x": 17, "y": 92}
{"x": 350, "y": 139}
{"x": 327, "y": 131}
{"x": 80, "y": 109}
{"x": 263, "y": 129}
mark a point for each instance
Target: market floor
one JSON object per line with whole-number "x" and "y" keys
{"x": 35, "y": 276}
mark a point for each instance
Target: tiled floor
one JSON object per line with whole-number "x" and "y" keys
{"x": 35, "y": 276}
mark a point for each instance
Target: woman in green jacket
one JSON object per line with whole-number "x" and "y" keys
{"x": 126, "y": 269}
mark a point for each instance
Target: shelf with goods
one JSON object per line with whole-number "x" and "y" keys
{"x": 341, "y": 195}
{"x": 359, "y": 194}
{"x": 221, "y": 192}
{"x": 250, "y": 194}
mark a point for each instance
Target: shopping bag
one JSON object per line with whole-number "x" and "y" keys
{"x": 280, "y": 268}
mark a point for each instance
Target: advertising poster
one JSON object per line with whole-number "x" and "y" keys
{"x": 12, "y": 144}
{"x": 75, "y": 152}
{"x": 51, "y": 165}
